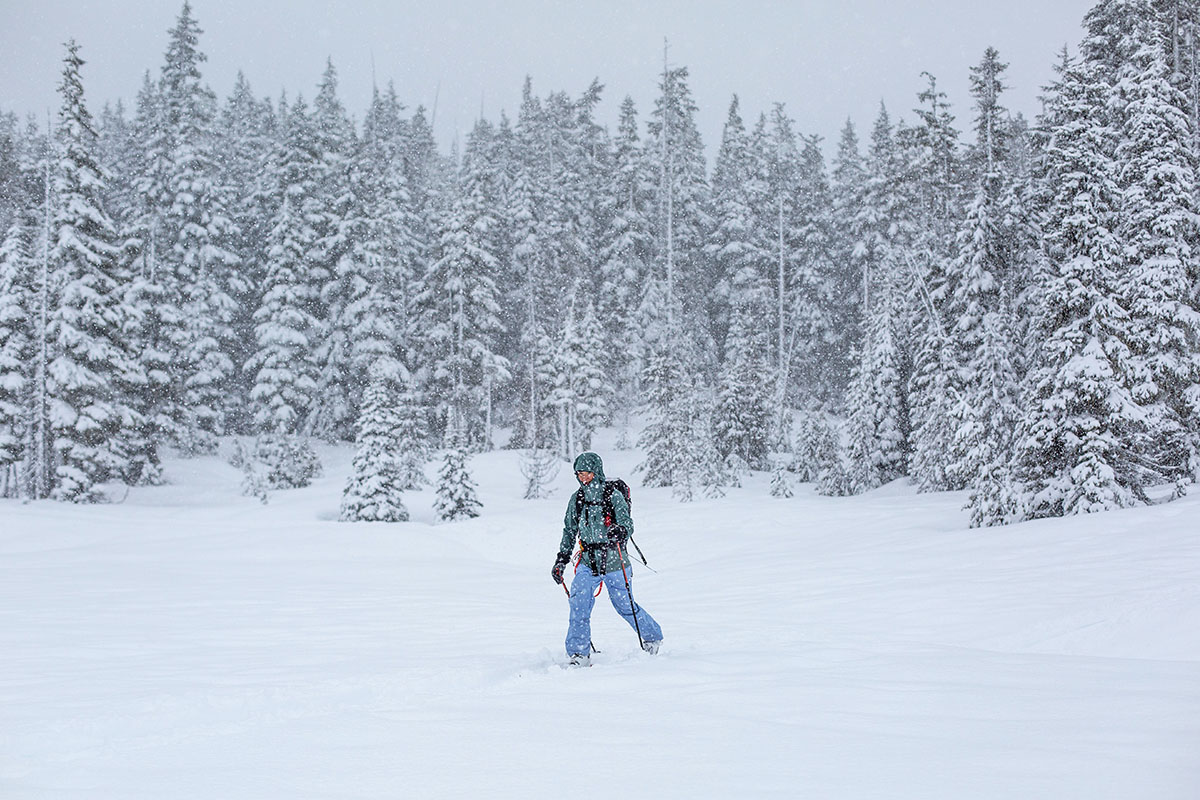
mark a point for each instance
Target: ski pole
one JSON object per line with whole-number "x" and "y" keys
{"x": 629, "y": 591}
{"x": 639, "y": 551}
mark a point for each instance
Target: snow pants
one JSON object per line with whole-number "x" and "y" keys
{"x": 583, "y": 597}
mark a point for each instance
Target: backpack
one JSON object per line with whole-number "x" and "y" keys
{"x": 610, "y": 516}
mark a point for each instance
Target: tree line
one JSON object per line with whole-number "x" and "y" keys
{"x": 1013, "y": 311}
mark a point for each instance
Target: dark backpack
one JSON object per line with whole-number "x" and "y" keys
{"x": 610, "y": 516}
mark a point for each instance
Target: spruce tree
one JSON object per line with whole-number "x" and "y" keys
{"x": 284, "y": 363}
{"x": 336, "y": 260}
{"x": 980, "y": 303}
{"x": 247, "y": 131}
{"x": 200, "y": 240}
{"x": 458, "y": 308}
{"x": 456, "y": 491}
{"x": 675, "y": 156}
{"x": 1157, "y": 175}
{"x": 743, "y": 416}
{"x": 16, "y": 353}
{"x": 92, "y": 373}
{"x": 375, "y": 490}
{"x": 626, "y": 258}
{"x": 665, "y": 437}
{"x": 579, "y": 392}
{"x": 412, "y": 437}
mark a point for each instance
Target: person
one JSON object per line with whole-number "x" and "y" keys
{"x": 604, "y": 560}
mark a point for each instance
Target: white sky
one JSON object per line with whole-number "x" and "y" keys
{"x": 825, "y": 59}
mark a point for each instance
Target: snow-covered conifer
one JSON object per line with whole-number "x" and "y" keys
{"x": 92, "y": 373}
{"x": 374, "y": 492}
{"x": 456, "y": 492}
{"x": 16, "y": 298}
{"x": 284, "y": 363}
{"x": 1077, "y": 442}
{"x": 580, "y": 390}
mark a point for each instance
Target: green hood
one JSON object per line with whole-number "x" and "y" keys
{"x": 590, "y": 462}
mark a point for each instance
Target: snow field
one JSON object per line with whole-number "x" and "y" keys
{"x": 191, "y": 643}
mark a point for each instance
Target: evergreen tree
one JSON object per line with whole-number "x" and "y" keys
{"x": 201, "y": 237}
{"x": 16, "y": 353}
{"x": 92, "y": 373}
{"x": 816, "y": 447}
{"x": 935, "y": 386}
{"x": 847, "y": 190}
{"x": 626, "y": 259}
{"x": 456, "y": 491}
{"x": 1156, "y": 172}
{"x": 985, "y": 413}
{"x": 743, "y": 415}
{"x": 821, "y": 365}
{"x": 284, "y": 363}
{"x": 248, "y": 128}
{"x": 374, "y": 492}
{"x": 337, "y": 260}
{"x": 665, "y": 437}
{"x": 731, "y": 248}
{"x": 411, "y": 432}
{"x": 878, "y": 416}
{"x": 579, "y": 392}
{"x": 778, "y": 176}
{"x": 675, "y": 156}
{"x": 458, "y": 307}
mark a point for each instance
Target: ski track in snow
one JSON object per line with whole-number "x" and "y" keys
{"x": 191, "y": 643}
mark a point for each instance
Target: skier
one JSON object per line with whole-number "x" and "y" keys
{"x": 603, "y": 559}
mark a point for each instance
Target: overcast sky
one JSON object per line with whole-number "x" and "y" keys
{"x": 827, "y": 60}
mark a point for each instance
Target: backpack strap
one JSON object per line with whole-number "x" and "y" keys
{"x": 578, "y": 506}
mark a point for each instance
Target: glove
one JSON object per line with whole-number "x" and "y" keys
{"x": 560, "y": 564}
{"x": 617, "y": 536}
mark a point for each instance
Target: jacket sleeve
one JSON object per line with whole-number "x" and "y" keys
{"x": 621, "y": 513}
{"x": 570, "y": 529}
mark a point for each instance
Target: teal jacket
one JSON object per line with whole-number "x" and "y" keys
{"x": 590, "y": 530}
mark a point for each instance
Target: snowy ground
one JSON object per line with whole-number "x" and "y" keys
{"x": 190, "y": 643}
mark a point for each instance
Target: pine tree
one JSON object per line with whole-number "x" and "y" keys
{"x": 336, "y": 260}
{"x": 694, "y": 407}
{"x": 1157, "y": 173}
{"x": 934, "y": 384}
{"x": 16, "y": 353}
{"x": 374, "y": 492}
{"x": 458, "y": 309}
{"x": 980, "y": 303}
{"x": 821, "y": 363}
{"x": 731, "y": 247}
{"x": 158, "y": 323}
{"x": 626, "y": 258}
{"x": 284, "y": 363}
{"x": 579, "y": 392}
{"x": 248, "y": 128}
{"x": 456, "y": 491}
{"x": 878, "y": 417}
{"x": 665, "y": 437}
{"x": 847, "y": 190}
{"x": 92, "y": 374}
{"x": 816, "y": 447}
{"x": 200, "y": 237}
{"x": 371, "y": 294}
{"x": 412, "y": 439}
{"x": 675, "y": 156}
{"x": 743, "y": 416}
{"x": 778, "y": 175}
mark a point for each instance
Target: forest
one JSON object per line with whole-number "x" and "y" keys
{"x": 959, "y": 296}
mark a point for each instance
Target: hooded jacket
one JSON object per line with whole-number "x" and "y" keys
{"x": 598, "y": 554}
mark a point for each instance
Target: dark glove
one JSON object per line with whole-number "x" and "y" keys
{"x": 560, "y": 564}
{"x": 617, "y": 536}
